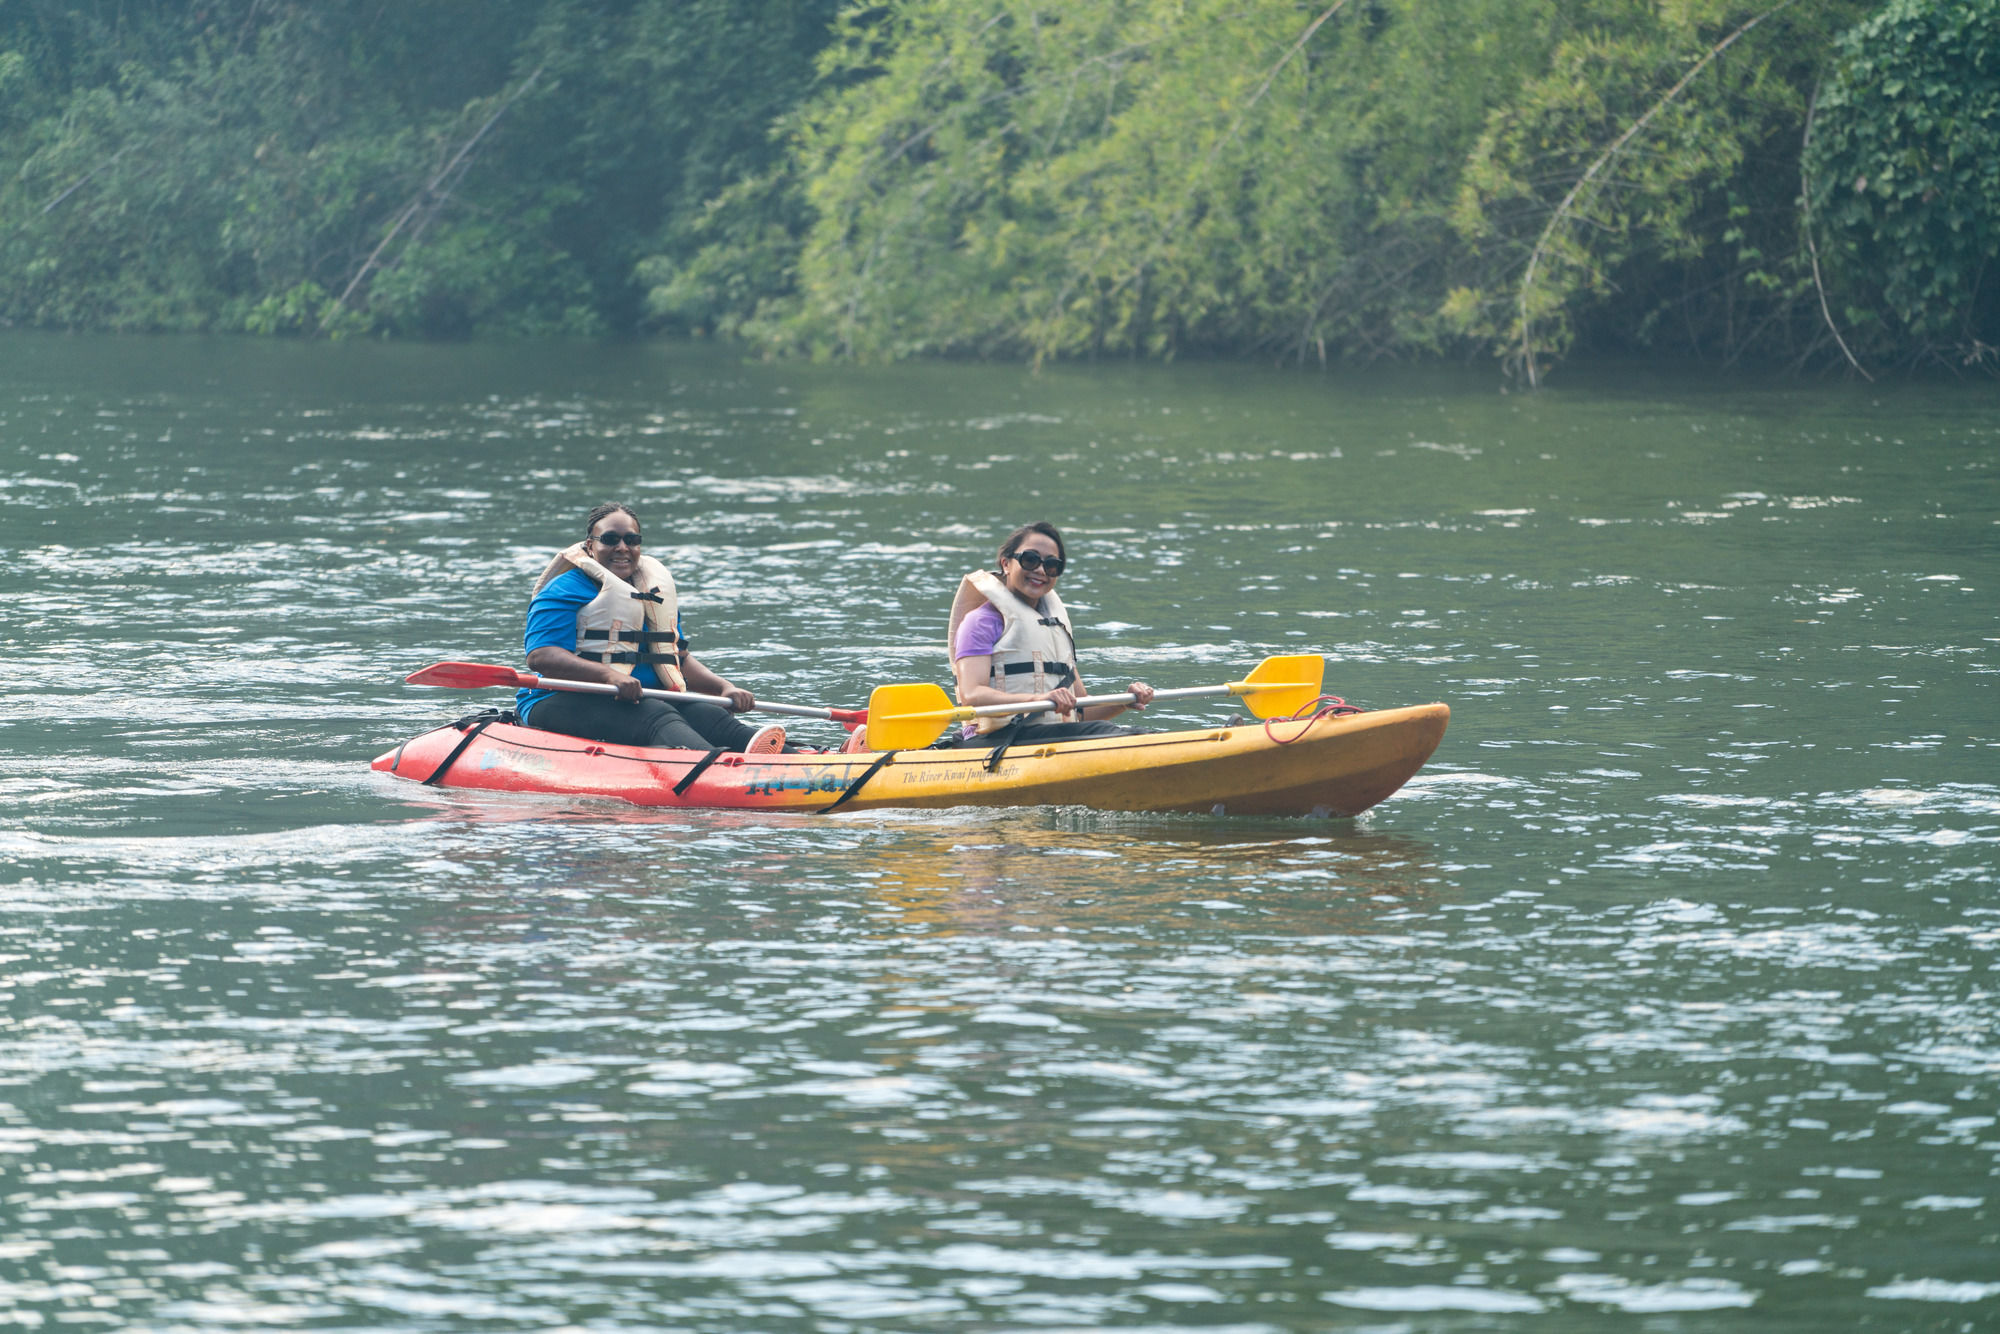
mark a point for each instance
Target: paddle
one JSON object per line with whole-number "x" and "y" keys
{"x": 480, "y": 675}
{"x": 902, "y": 717}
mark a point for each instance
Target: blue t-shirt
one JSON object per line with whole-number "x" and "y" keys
{"x": 552, "y": 624}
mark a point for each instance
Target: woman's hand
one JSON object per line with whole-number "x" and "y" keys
{"x": 703, "y": 680}
{"x": 1062, "y": 700}
{"x": 548, "y": 660}
{"x": 1141, "y": 693}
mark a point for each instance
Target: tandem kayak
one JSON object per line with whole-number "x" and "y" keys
{"x": 1317, "y": 766}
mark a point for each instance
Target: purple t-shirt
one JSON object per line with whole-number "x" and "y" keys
{"x": 978, "y": 633}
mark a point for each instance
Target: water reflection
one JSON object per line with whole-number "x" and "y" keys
{"x": 1108, "y": 878}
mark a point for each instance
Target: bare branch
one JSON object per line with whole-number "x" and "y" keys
{"x": 434, "y": 194}
{"x": 1590, "y": 174}
{"x": 1805, "y": 206}
{"x": 84, "y": 179}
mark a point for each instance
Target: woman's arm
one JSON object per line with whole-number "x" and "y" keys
{"x": 1093, "y": 713}
{"x": 552, "y": 624}
{"x": 703, "y": 681}
{"x": 549, "y": 660}
{"x": 972, "y": 673}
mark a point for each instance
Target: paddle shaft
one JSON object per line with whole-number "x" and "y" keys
{"x": 530, "y": 681}
{"x": 911, "y": 714}
{"x": 1091, "y": 701}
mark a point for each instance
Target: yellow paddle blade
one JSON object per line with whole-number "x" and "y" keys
{"x": 904, "y": 717}
{"x": 1279, "y": 687}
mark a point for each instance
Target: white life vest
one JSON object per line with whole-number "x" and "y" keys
{"x": 625, "y": 624}
{"x": 1034, "y": 655}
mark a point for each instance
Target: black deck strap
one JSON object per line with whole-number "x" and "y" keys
{"x": 999, "y": 752}
{"x": 881, "y": 762}
{"x": 471, "y": 735}
{"x": 700, "y": 768}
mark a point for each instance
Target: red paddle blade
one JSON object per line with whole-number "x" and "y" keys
{"x": 467, "y": 676}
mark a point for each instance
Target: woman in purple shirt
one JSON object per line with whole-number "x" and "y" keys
{"x": 1012, "y": 641}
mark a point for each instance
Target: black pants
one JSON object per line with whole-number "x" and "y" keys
{"x": 642, "y": 722}
{"x": 1024, "y": 734}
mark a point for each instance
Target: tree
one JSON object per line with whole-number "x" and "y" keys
{"x": 461, "y": 167}
{"x": 1905, "y": 172}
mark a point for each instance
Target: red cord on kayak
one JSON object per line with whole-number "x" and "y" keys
{"x": 1326, "y": 706}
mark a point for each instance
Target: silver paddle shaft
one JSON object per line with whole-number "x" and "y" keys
{"x": 1092, "y": 701}
{"x": 534, "y": 682}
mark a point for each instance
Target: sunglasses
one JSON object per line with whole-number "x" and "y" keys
{"x": 1035, "y": 560}
{"x": 613, "y": 539}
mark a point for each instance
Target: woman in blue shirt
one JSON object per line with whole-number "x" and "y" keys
{"x": 604, "y": 612}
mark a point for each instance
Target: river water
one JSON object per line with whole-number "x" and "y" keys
{"x": 1663, "y": 999}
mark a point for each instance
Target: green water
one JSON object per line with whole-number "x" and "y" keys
{"x": 1664, "y": 999}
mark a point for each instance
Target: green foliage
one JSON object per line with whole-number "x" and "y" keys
{"x": 301, "y": 310}
{"x": 480, "y": 278}
{"x": 1286, "y": 178}
{"x": 1372, "y": 177}
{"x": 1905, "y": 169}
{"x": 1137, "y": 176}
{"x": 1643, "y": 177}
{"x": 210, "y": 167}
{"x": 733, "y": 266}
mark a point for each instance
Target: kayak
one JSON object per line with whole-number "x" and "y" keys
{"x": 1326, "y": 765}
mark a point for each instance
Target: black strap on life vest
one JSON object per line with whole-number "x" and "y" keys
{"x": 1068, "y": 633}
{"x": 1062, "y": 671}
{"x": 645, "y": 652}
{"x": 700, "y": 767}
{"x": 472, "y": 727}
{"x": 881, "y": 763}
{"x": 637, "y": 636}
{"x": 656, "y": 659}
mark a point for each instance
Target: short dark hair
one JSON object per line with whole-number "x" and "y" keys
{"x": 1021, "y": 534}
{"x": 609, "y": 507}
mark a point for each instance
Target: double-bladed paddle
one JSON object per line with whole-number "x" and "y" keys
{"x": 902, "y": 717}
{"x": 481, "y": 675}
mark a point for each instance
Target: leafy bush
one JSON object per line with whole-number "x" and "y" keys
{"x": 226, "y": 165}
{"x": 1361, "y": 178}
{"x": 1905, "y": 168}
